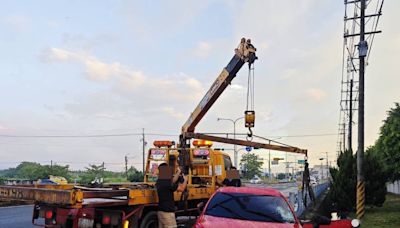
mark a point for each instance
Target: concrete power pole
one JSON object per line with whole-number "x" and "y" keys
{"x": 358, "y": 19}
{"x": 362, "y": 49}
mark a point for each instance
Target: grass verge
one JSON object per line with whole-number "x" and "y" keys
{"x": 386, "y": 216}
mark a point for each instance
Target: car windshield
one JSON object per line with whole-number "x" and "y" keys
{"x": 251, "y": 207}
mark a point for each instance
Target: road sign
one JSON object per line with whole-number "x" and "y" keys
{"x": 248, "y": 148}
{"x": 300, "y": 162}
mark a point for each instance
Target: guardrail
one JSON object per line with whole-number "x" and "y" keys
{"x": 296, "y": 199}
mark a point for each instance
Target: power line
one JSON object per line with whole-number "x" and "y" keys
{"x": 83, "y": 136}
{"x": 151, "y": 134}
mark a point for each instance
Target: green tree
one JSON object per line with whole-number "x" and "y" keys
{"x": 375, "y": 178}
{"x": 343, "y": 191}
{"x": 388, "y": 144}
{"x": 31, "y": 171}
{"x": 344, "y": 180}
{"x": 8, "y": 173}
{"x": 251, "y": 165}
{"x": 134, "y": 175}
{"x": 92, "y": 172}
{"x": 57, "y": 170}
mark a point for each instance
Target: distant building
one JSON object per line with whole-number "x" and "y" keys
{"x": 320, "y": 172}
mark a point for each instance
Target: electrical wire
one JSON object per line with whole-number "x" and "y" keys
{"x": 83, "y": 136}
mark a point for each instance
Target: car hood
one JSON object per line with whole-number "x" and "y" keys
{"x": 211, "y": 221}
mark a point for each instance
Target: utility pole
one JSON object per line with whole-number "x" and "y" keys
{"x": 126, "y": 166}
{"x": 351, "y": 31}
{"x": 350, "y": 135}
{"x": 362, "y": 52}
{"x": 327, "y": 166}
{"x": 144, "y": 149}
{"x": 269, "y": 164}
{"x": 344, "y": 137}
{"x": 286, "y": 167}
{"x": 102, "y": 170}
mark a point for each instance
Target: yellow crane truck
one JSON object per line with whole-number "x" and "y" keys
{"x": 127, "y": 205}
{"x": 135, "y": 204}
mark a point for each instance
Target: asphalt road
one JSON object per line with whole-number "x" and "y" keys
{"x": 20, "y": 216}
{"x": 16, "y": 217}
{"x": 285, "y": 188}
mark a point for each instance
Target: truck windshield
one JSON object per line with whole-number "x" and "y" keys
{"x": 251, "y": 207}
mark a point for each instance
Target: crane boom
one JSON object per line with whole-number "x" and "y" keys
{"x": 245, "y": 53}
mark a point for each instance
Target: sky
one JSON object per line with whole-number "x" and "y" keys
{"x": 84, "y": 68}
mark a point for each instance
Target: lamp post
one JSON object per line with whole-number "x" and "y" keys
{"x": 234, "y": 136}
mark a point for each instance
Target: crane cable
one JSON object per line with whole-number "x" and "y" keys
{"x": 249, "y": 113}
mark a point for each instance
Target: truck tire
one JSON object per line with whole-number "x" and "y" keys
{"x": 150, "y": 220}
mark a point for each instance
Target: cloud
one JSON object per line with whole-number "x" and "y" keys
{"x": 172, "y": 112}
{"x": 127, "y": 80}
{"x": 19, "y": 23}
{"x": 168, "y": 18}
{"x": 237, "y": 87}
{"x": 316, "y": 94}
{"x": 95, "y": 69}
{"x": 4, "y": 128}
{"x": 202, "y": 49}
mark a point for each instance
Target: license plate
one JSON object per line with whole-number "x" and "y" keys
{"x": 85, "y": 223}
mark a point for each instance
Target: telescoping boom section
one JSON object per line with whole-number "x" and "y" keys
{"x": 244, "y": 53}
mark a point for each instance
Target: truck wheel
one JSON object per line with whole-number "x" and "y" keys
{"x": 150, "y": 220}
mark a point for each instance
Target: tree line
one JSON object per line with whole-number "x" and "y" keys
{"x": 35, "y": 171}
{"x": 381, "y": 165}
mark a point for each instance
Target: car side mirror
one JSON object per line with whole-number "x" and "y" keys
{"x": 200, "y": 206}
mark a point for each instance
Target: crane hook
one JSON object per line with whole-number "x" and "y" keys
{"x": 249, "y": 135}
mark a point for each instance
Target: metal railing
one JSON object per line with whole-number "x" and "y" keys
{"x": 296, "y": 199}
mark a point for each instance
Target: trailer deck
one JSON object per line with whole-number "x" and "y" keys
{"x": 70, "y": 196}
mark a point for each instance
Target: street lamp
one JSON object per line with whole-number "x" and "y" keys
{"x": 234, "y": 136}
